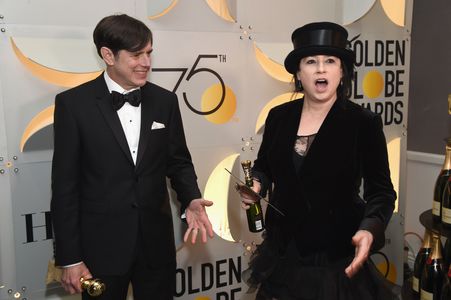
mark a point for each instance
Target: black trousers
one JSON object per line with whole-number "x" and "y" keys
{"x": 148, "y": 283}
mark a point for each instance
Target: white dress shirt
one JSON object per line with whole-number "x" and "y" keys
{"x": 129, "y": 115}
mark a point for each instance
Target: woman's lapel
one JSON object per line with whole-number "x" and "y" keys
{"x": 287, "y": 135}
{"x": 328, "y": 140}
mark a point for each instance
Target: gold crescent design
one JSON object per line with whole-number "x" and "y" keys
{"x": 271, "y": 67}
{"x": 394, "y": 159}
{"x": 221, "y": 8}
{"x": 60, "y": 78}
{"x": 274, "y": 102}
{"x": 395, "y": 11}
{"x": 356, "y": 9}
{"x": 41, "y": 120}
{"x": 165, "y": 11}
{"x": 217, "y": 188}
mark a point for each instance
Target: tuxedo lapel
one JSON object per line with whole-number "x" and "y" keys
{"x": 327, "y": 139}
{"x": 147, "y": 115}
{"x": 111, "y": 117}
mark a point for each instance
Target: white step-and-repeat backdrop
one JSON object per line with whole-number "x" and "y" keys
{"x": 223, "y": 59}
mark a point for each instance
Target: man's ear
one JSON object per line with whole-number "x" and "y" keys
{"x": 107, "y": 55}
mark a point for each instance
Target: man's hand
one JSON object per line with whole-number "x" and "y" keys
{"x": 197, "y": 219}
{"x": 362, "y": 241}
{"x": 70, "y": 278}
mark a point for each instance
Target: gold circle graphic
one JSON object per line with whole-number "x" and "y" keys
{"x": 373, "y": 84}
{"x": 392, "y": 273}
{"x": 210, "y": 99}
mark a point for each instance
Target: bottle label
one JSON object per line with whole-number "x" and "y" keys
{"x": 259, "y": 225}
{"x": 436, "y": 208}
{"x": 426, "y": 295}
{"x": 415, "y": 284}
{"x": 446, "y": 215}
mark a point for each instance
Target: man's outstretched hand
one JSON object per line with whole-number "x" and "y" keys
{"x": 197, "y": 219}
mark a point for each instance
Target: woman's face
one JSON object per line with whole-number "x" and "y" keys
{"x": 320, "y": 76}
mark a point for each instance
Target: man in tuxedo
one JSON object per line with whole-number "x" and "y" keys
{"x": 116, "y": 140}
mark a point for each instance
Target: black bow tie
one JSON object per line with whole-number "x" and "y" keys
{"x": 118, "y": 99}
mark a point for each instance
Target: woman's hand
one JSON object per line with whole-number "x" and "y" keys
{"x": 362, "y": 241}
{"x": 247, "y": 199}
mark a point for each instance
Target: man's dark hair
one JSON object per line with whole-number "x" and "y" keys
{"x": 121, "y": 32}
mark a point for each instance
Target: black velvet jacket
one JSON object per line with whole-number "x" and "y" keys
{"x": 322, "y": 206}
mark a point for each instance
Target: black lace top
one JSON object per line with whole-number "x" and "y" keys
{"x": 301, "y": 147}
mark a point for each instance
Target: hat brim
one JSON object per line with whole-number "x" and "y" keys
{"x": 293, "y": 58}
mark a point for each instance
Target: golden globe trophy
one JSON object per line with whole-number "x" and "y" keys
{"x": 94, "y": 287}
{"x": 244, "y": 189}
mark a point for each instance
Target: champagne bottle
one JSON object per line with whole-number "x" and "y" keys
{"x": 433, "y": 272}
{"x": 420, "y": 260}
{"x": 446, "y": 289}
{"x": 446, "y": 205}
{"x": 254, "y": 213}
{"x": 440, "y": 184}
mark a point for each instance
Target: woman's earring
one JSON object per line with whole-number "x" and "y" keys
{"x": 300, "y": 86}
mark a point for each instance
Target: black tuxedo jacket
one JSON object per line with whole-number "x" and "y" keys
{"x": 322, "y": 204}
{"x": 101, "y": 201}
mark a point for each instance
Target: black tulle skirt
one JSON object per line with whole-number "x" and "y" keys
{"x": 314, "y": 277}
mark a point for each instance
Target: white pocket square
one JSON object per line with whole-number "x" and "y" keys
{"x": 156, "y": 125}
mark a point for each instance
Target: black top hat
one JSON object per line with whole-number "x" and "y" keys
{"x": 323, "y": 38}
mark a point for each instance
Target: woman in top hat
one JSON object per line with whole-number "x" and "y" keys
{"x": 314, "y": 155}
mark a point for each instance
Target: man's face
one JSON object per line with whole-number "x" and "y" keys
{"x": 130, "y": 69}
